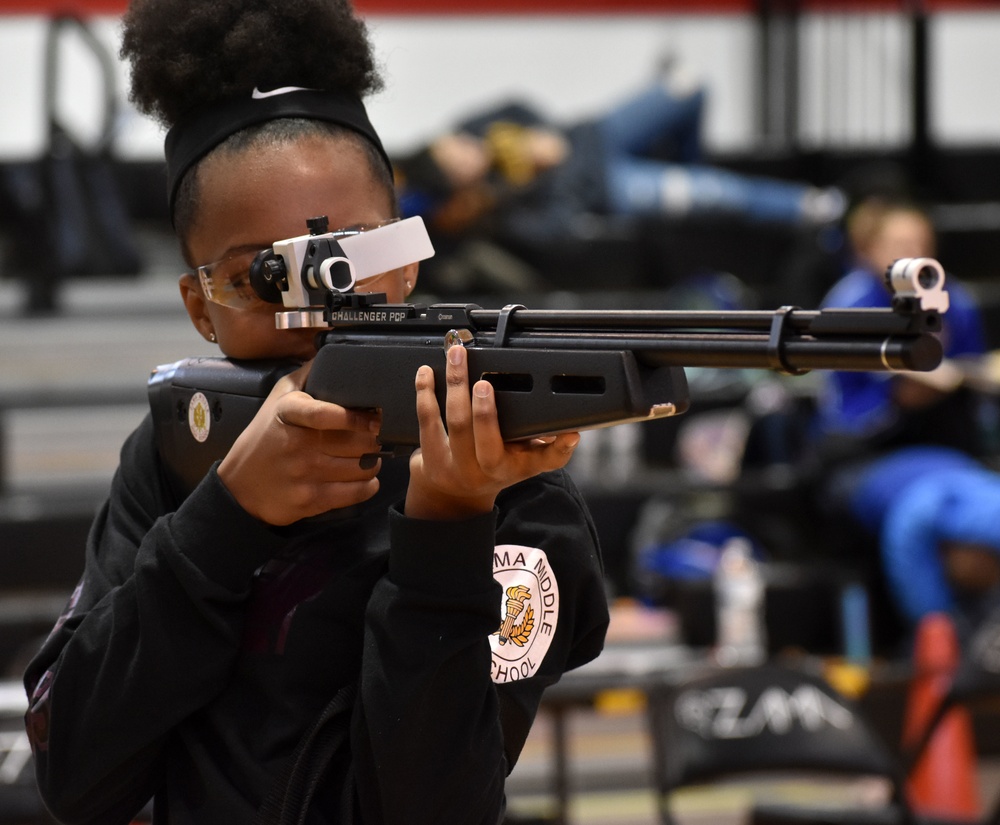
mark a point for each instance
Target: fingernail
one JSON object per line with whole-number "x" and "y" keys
{"x": 455, "y": 355}
{"x": 482, "y": 389}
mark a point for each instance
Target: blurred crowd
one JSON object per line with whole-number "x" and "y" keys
{"x": 894, "y": 474}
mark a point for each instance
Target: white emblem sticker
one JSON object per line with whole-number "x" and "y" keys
{"x": 199, "y": 416}
{"x": 529, "y": 611}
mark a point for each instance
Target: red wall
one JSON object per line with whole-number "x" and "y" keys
{"x": 399, "y": 7}
{"x": 547, "y": 6}
{"x": 434, "y": 6}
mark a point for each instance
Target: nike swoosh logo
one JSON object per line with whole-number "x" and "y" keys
{"x": 284, "y": 90}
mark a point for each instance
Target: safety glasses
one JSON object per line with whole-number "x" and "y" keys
{"x": 227, "y": 282}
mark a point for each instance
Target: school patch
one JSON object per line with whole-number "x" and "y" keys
{"x": 529, "y": 611}
{"x": 199, "y": 417}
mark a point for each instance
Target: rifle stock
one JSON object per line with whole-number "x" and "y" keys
{"x": 227, "y": 393}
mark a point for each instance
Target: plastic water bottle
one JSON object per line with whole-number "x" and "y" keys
{"x": 739, "y": 606}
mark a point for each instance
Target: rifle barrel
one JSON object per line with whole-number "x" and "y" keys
{"x": 720, "y": 350}
{"x": 832, "y": 320}
{"x": 748, "y": 351}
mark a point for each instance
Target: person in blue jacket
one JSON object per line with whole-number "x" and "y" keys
{"x": 908, "y": 449}
{"x": 883, "y": 408}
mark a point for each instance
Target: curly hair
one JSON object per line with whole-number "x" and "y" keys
{"x": 186, "y": 54}
{"x": 189, "y": 54}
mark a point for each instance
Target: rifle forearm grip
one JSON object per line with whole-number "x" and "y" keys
{"x": 537, "y": 392}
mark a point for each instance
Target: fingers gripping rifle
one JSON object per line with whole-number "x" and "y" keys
{"x": 552, "y": 370}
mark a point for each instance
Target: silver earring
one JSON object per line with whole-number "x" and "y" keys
{"x": 212, "y": 338}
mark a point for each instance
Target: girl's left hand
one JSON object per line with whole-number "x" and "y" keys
{"x": 457, "y": 473}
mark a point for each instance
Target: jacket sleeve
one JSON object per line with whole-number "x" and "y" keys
{"x": 442, "y": 716}
{"x": 149, "y": 636}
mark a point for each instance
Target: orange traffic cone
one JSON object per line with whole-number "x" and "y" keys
{"x": 944, "y": 780}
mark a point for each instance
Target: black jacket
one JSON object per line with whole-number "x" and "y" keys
{"x": 201, "y": 644}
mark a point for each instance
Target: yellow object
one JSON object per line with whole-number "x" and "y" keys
{"x": 620, "y": 701}
{"x": 847, "y": 678}
{"x": 510, "y": 152}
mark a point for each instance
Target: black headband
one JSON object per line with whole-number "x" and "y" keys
{"x": 195, "y": 135}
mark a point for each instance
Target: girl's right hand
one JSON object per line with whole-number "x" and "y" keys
{"x": 301, "y": 457}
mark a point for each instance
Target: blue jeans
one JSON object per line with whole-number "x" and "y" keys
{"x": 641, "y": 186}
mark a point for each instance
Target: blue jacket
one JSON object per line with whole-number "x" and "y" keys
{"x": 860, "y": 403}
{"x": 917, "y": 499}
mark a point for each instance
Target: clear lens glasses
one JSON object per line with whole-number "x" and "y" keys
{"x": 227, "y": 282}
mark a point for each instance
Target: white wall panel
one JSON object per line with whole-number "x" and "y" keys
{"x": 440, "y": 68}
{"x": 965, "y": 79}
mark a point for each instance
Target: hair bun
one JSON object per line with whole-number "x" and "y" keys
{"x": 188, "y": 54}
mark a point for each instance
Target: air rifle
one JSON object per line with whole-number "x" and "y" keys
{"x": 552, "y": 370}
